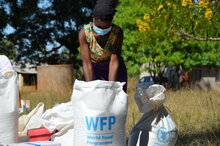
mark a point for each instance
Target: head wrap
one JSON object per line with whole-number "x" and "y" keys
{"x": 105, "y": 9}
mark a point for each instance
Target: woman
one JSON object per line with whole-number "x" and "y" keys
{"x": 100, "y": 45}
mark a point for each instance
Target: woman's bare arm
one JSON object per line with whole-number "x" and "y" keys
{"x": 114, "y": 60}
{"x": 85, "y": 54}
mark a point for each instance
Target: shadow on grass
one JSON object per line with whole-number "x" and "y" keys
{"x": 200, "y": 139}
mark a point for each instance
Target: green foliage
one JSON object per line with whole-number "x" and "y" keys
{"x": 201, "y": 54}
{"x": 7, "y": 48}
{"x": 127, "y": 13}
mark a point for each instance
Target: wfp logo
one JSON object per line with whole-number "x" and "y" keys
{"x": 100, "y": 123}
{"x": 163, "y": 135}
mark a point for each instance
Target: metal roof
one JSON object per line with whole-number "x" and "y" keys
{"x": 24, "y": 68}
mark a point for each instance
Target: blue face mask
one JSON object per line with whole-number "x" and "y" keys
{"x": 101, "y": 31}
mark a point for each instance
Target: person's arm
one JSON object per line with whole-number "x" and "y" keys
{"x": 114, "y": 60}
{"x": 85, "y": 54}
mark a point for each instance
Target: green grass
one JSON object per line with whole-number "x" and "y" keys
{"x": 195, "y": 112}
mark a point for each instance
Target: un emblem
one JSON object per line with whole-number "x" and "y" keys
{"x": 163, "y": 135}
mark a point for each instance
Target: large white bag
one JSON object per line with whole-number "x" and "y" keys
{"x": 8, "y": 108}
{"x": 100, "y": 109}
{"x": 156, "y": 126}
{"x": 60, "y": 117}
{"x": 32, "y": 120}
{"x": 65, "y": 139}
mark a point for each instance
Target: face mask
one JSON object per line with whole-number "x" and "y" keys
{"x": 101, "y": 31}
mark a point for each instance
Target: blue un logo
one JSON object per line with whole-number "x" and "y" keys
{"x": 163, "y": 135}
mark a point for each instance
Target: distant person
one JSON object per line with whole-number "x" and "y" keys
{"x": 100, "y": 45}
{"x": 6, "y": 68}
{"x": 185, "y": 80}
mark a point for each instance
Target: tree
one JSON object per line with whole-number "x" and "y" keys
{"x": 179, "y": 33}
{"x": 127, "y": 13}
{"x": 7, "y": 48}
{"x": 43, "y": 28}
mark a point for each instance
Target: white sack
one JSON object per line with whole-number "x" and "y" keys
{"x": 32, "y": 120}
{"x": 8, "y": 108}
{"x": 156, "y": 126}
{"x": 60, "y": 117}
{"x": 9, "y": 127}
{"x": 100, "y": 109}
{"x": 66, "y": 139}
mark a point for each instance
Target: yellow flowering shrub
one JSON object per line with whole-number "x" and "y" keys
{"x": 174, "y": 6}
{"x": 138, "y": 21}
{"x": 208, "y": 14}
{"x": 205, "y": 9}
{"x": 147, "y": 17}
{"x": 186, "y": 3}
{"x": 203, "y": 4}
{"x": 142, "y": 26}
{"x": 159, "y": 7}
{"x": 170, "y": 5}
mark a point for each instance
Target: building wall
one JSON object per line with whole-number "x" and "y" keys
{"x": 199, "y": 78}
{"x": 54, "y": 78}
{"x": 205, "y": 78}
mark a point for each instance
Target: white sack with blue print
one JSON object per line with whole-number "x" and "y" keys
{"x": 8, "y": 108}
{"x": 155, "y": 128}
{"x": 100, "y": 110}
